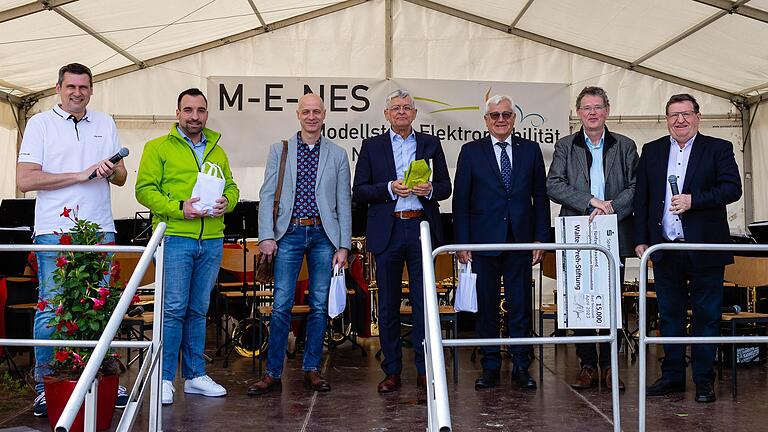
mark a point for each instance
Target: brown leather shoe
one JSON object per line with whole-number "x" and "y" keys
{"x": 587, "y": 379}
{"x": 606, "y": 380}
{"x": 265, "y": 385}
{"x": 391, "y": 383}
{"x": 314, "y": 381}
{"x": 421, "y": 382}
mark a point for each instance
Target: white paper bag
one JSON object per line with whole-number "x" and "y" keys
{"x": 466, "y": 292}
{"x": 337, "y": 295}
{"x": 209, "y": 187}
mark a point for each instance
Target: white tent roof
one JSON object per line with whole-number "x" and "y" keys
{"x": 714, "y": 46}
{"x": 641, "y": 52}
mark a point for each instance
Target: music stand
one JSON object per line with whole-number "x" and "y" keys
{"x": 239, "y": 225}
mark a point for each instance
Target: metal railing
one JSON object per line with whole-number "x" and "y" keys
{"x": 87, "y": 386}
{"x": 438, "y": 409}
{"x": 645, "y": 340}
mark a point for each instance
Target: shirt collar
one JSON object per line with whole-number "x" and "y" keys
{"x": 67, "y": 116}
{"x": 688, "y": 143}
{"x": 393, "y": 135}
{"x": 591, "y": 145}
{"x": 300, "y": 141}
{"x": 203, "y": 139}
{"x": 508, "y": 140}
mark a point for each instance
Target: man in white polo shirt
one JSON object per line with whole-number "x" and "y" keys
{"x": 60, "y": 150}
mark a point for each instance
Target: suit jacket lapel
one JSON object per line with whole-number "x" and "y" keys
{"x": 490, "y": 157}
{"x": 322, "y": 160}
{"x": 419, "y": 147}
{"x": 517, "y": 163}
{"x": 388, "y": 154}
{"x": 610, "y": 157}
{"x": 698, "y": 149}
{"x": 293, "y": 158}
{"x": 580, "y": 155}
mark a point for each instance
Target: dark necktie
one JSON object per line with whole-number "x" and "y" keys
{"x": 506, "y": 166}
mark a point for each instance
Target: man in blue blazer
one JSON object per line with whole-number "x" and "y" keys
{"x": 500, "y": 196}
{"x": 706, "y": 178}
{"x": 392, "y": 233}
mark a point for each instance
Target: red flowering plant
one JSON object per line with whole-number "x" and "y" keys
{"x": 89, "y": 289}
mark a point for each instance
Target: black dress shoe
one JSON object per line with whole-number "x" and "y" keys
{"x": 664, "y": 387}
{"x": 523, "y": 379}
{"x": 489, "y": 379}
{"x": 705, "y": 393}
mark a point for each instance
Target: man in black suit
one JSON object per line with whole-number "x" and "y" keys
{"x": 392, "y": 234}
{"x": 500, "y": 196}
{"x": 708, "y": 178}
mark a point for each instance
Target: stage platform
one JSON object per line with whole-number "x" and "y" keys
{"x": 354, "y": 405}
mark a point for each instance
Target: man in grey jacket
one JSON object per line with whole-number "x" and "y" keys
{"x": 314, "y": 218}
{"x": 593, "y": 173}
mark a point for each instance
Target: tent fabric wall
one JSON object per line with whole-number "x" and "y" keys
{"x": 8, "y": 134}
{"x": 350, "y": 43}
{"x": 759, "y": 138}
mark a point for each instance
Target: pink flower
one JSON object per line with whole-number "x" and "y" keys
{"x": 103, "y": 293}
{"x": 61, "y": 262}
{"x": 97, "y": 303}
{"x": 65, "y": 213}
{"x": 78, "y": 360}
{"x": 65, "y": 239}
{"x": 60, "y": 309}
{"x": 42, "y": 304}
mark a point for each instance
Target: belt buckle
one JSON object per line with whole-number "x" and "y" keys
{"x": 401, "y": 215}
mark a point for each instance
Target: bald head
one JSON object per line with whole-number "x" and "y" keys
{"x": 311, "y": 115}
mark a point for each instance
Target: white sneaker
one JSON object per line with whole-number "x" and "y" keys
{"x": 168, "y": 392}
{"x": 205, "y": 386}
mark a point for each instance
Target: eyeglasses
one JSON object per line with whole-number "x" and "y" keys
{"x": 506, "y": 115}
{"x": 397, "y": 108}
{"x": 687, "y": 115}
{"x": 590, "y": 108}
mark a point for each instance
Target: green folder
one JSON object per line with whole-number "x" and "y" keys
{"x": 418, "y": 172}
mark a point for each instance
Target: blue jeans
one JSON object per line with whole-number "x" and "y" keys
{"x": 191, "y": 267}
{"x": 291, "y": 248}
{"x": 46, "y": 266}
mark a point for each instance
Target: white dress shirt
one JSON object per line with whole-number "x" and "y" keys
{"x": 672, "y": 227}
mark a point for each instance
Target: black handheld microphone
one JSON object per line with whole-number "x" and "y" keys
{"x": 673, "y": 184}
{"x": 138, "y": 310}
{"x": 114, "y": 159}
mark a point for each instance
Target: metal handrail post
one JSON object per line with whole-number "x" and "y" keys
{"x": 89, "y": 425}
{"x": 431, "y": 309}
{"x": 439, "y": 415}
{"x": 644, "y": 340}
{"x": 156, "y": 382}
{"x": 91, "y": 369}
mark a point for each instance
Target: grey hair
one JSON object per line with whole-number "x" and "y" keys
{"x": 400, "y": 93}
{"x": 497, "y": 99}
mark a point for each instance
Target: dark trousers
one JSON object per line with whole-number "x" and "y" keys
{"x": 515, "y": 267}
{"x": 403, "y": 248}
{"x": 675, "y": 278}
{"x": 587, "y": 351}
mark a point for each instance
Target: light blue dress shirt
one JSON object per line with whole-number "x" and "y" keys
{"x": 404, "y": 151}
{"x": 596, "y": 171}
{"x": 199, "y": 148}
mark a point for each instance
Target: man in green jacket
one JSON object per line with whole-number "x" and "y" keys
{"x": 194, "y": 237}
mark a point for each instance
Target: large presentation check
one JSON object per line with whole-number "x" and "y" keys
{"x": 583, "y": 276}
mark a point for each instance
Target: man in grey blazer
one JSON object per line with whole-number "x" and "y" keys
{"x": 314, "y": 218}
{"x": 593, "y": 173}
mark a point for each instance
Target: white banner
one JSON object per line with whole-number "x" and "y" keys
{"x": 254, "y": 112}
{"x": 583, "y": 277}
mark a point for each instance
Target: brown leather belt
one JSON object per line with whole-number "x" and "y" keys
{"x": 307, "y": 221}
{"x": 409, "y": 214}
